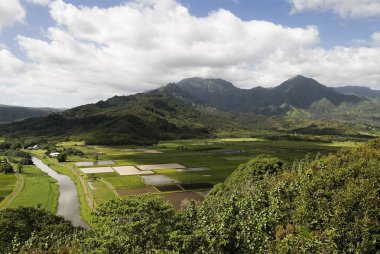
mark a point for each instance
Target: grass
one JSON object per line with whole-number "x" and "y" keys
{"x": 165, "y": 170}
{"x": 7, "y": 185}
{"x": 206, "y": 176}
{"x": 71, "y": 143}
{"x": 101, "y": 192}
{"x": 134, "y": 181}
{"x": 39, "y": 190}
{"x": 239, "y": 139}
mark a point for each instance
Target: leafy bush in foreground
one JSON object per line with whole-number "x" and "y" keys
{"x": 30, "y": 228}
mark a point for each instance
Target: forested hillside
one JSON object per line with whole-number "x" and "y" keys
{"x": 326, "y": 204}
{"x": 298, "y": 92}
{"x": 14, "y": 113}
{"x": 138, "y": 119}
{"x": 359, "y": 90}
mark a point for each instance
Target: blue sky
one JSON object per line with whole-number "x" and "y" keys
{"x": 342, "y": 38}
{"x": 334, "y": 31}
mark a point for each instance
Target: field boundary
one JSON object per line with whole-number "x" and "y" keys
{"x": 90, "y": 201}
{"x": 15, "y": 192}
{"x": 110, "y": 186}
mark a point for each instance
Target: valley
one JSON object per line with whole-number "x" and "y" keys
{"x": 195, "y": 166}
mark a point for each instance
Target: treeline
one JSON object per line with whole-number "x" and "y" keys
{"x": 13, "y": 159}
{"x": 329, "y": 204}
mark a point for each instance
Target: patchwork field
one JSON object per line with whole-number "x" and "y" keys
{"x": 131, "y": 170}
{"x": 177, "y": 170}
{"x": 97, "y": 170}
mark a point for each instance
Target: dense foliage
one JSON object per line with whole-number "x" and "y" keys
{"x": 6, "y": 168}
{"x": 328, "y": 204}
{"x": 27, "y": 228}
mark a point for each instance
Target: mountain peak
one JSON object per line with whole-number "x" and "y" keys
{"x": 299, "y": 77}
{"x": 209, "y": 84}
{"x": 299, "y": 92}
{"x": 300, "y": 80}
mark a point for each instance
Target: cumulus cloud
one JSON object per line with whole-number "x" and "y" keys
{"x": 344, "y": 8}
{"x": 40, "y": 2}
{"x": 10, "y": 12}
{"x": 93, "y": 53}
{"x": 376, "y": 38}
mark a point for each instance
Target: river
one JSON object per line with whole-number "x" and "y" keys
{"x": 68, "y": 202}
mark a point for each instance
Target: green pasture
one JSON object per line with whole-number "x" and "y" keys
{"x": 39, "y": 190}
{"x": 101, "y": 192}
{"x": 7, "y": 185}
{"x": 70, "y": 143}
{"x": 118, "y": 181}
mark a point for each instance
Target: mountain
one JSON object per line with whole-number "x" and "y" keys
{"x": 15, "y": 113}
{"x": 298, "y": 92}
{"x": 193, "y": 108}
{"x": 358, "y": 90}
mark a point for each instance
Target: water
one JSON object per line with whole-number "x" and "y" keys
{"x": 68, "y": 202}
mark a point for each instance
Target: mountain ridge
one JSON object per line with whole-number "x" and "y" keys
{"x": 299, "y": 92}
{"x": 176, "y": 112}
{"x": 359, "y": 90}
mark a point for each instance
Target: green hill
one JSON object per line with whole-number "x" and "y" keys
{"x": 15, "y": 113}
{"x": 141, "y": 118}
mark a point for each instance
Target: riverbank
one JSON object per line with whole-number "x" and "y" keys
{"x": 68, "y": 201}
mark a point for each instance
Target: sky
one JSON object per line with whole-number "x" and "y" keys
{"x": 65, "y": 53}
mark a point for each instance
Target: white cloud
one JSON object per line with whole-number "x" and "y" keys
{"x": 376, "y": 38}
{"x": 40, "y": 2}
{"x": 344, "y": 8}
{"x": 10, "y": 12}
{"x": 94, "y": 53}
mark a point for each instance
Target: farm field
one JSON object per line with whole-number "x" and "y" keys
{"x": 39, "y": 190}
{"x": 162, "y": 169}
{"x": 7, "y": 185}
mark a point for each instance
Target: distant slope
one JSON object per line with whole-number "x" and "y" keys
{"x": 137, "y": 119}
{"x": 298, "y": 92}
{"x": 358, "y": 90}
{"x": 15, "y": 113}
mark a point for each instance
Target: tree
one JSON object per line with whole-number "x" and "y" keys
{"x": 20, "y": 225}
{"x": 141, "y": 224}
{"x": 6, "y": 168}
{"x": 62, "y": 157}
{"x": 20, "y": 168}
